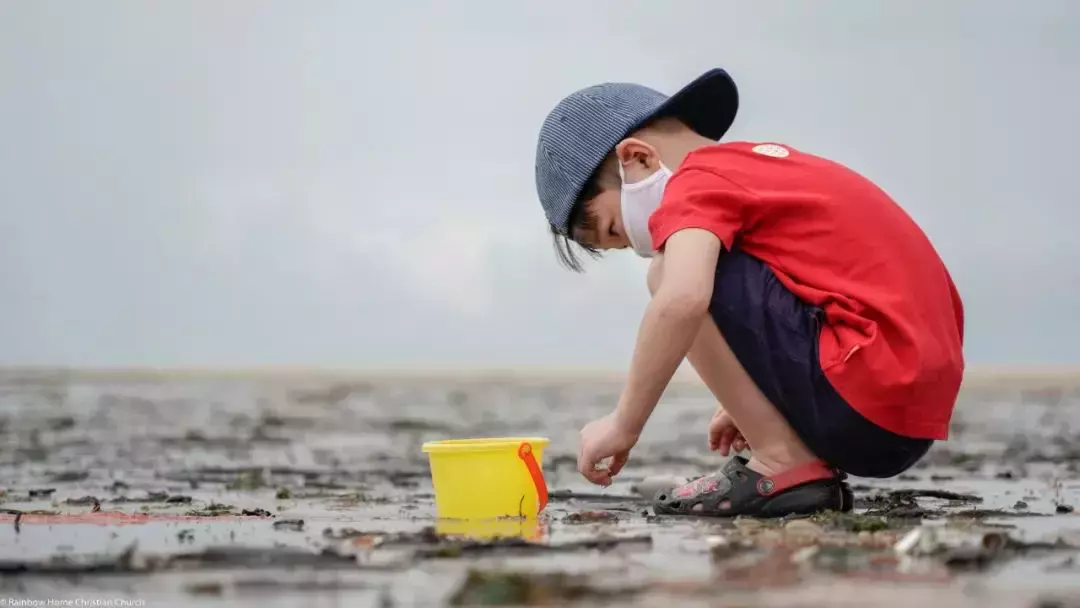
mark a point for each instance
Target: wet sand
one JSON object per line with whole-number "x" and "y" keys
{"x": 304, "y": 488}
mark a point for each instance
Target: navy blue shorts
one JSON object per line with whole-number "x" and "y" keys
{"x": 774, "y": 335}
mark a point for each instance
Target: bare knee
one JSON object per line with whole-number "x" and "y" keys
{"x": 655, "y": 274}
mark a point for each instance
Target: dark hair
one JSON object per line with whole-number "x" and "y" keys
{"x": 581, "y": 218}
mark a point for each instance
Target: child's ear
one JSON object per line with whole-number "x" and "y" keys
{"x": 633, "y": 150}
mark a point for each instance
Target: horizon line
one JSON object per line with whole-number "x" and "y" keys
{"x": 459, "y": 372}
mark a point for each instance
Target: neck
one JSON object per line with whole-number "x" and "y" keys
{"x": 679, "y": 145}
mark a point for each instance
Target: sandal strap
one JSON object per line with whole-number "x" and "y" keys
{"x": 813, "y": 471}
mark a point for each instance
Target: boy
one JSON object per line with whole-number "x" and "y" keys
{"x": 811, "y": 305}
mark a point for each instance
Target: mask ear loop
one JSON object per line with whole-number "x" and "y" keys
{"x": 648, "y": 181}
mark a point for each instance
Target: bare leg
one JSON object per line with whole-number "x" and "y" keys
{"x": 776, "y": 447}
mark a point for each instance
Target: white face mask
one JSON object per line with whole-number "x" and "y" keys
{"x": 639, "y": 200}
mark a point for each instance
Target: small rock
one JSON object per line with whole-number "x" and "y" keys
{"x": 296, "y": 525}
{"x": 84, "y": 501}
{"x": 1062, "y": 509}
{"x": 1020, "y": 505}
{"x": 995, "y": 542}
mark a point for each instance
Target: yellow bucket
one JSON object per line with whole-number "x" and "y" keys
{"x": 488, "y": 478}
{"x": 490, "y": 529}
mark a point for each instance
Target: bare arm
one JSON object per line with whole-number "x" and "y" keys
{"x": 671, "y": 323}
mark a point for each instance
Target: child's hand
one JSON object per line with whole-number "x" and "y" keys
{"x": 724, "y": 436}
{"x": 600, "y": 439}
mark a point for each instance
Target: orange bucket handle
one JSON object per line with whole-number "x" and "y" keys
{"x": 525, "y": 454}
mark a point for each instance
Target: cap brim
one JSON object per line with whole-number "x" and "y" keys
{"x": 707, "y": 105}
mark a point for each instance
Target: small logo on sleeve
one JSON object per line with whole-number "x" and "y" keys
{"x": 772, "y": 150}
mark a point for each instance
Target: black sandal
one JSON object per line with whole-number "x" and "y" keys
{"x": 736, "y": 490}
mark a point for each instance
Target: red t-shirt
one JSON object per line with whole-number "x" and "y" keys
{"x": 892, "y": 340}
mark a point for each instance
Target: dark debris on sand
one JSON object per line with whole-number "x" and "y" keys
{"x": 215, "y": 558}
{"x": 570, "y": 496}
{"x": 590, "y": 517}
{"x": 213, "y": 510}
{"x": 996, "y": 547}
{"x": 295, "y": 525}
{"x": 153, "y": 497}
{"x": 497, "y": 588}
{"x": 904, "y": 504}
{"x": 852, "y": 522}
{"x": 460, "y": 548}
{"x": 428, "y": 544}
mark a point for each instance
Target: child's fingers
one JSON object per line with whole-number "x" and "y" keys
{"x": 714, "y": 439}
{"x": 600, "y": 477}
{"x": 716, "y": 433}
{"x": 618, "y": 462}
{"x": 589, "y": 467}
{"x": 718, "y": 427}
{"x": 739, "y": 444}
{"x": 727, "y": 436}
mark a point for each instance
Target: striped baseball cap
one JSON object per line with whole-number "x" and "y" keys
{"x": 586, "y": 125}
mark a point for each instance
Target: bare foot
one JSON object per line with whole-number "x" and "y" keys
{"x": 774, "y": 466}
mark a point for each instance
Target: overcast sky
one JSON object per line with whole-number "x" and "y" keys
{"x": 351, "y": 183}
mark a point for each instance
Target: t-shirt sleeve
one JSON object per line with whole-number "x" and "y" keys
{"x": 700, "y": 198}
